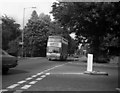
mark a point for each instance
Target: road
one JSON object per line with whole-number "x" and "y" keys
{"x": 39, "y": 74}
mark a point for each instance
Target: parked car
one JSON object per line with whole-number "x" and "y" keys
{"x": 8, "y": 61}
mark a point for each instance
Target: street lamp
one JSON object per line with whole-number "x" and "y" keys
{"x": 23, "y": 29}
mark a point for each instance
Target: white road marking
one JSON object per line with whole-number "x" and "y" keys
{"x": 69, "y": 73}
{"x": 13, "y": 86}
{"x": 34, "y": 75}
{"x": 118, "y": 89}
{"x": 53, "y": 67}
{"x": 47, "y": 73}
{"x": 3, "y": 90}
{"x": 39, "y": 73}
{"x": 33, "y": 82}
{"x": 43, "y": 76}
{"x": 39, "y": 78}
{"x": 18, "y": 91}
{"x": 28, "y": 78}
{"x": 20, "y": 82}
{"x": 26, "y": 87}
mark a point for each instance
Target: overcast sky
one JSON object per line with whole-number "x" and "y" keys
{"x": 14, "y": 8}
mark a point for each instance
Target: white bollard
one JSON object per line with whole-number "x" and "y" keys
{"x": 90, "y": 67}
{"x": 90, "y": 63}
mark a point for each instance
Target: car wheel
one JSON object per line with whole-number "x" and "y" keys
{"x": 5, "y": 70}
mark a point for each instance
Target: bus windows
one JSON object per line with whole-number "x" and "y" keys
{"x": 53, "y": 50}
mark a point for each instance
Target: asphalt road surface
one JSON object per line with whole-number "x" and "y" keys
{"x": 39, "y": 74}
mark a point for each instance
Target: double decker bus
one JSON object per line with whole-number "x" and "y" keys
{"x": 57, "y": 48}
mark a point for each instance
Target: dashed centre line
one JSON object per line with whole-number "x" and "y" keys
{"x": 20, "y": 82}
{"x": 13, "y": 86}
{"x": 34, "y": 75}
{"x": 33, "y": 82}
{"x": 43, "y": 76}
{"x": 26, "y": 86}
{"x": 47, "y": 73}
{"x": 39, "y": 73}
{"x": 39, "y": 78}
{"x": 30, "y": 78}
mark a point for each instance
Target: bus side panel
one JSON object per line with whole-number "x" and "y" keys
{"x": 64, "y": 50}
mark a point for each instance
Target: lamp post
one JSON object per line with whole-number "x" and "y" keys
{"x": 22, "y": 43}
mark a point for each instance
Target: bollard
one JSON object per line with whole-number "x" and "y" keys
{"x": 90, "y": 67}
{"x": 90, "y": 63}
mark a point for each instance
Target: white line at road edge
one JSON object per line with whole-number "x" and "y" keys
{"x": 69, "y": 73}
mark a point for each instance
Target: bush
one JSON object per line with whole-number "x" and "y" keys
{"x": 101, "y": 59}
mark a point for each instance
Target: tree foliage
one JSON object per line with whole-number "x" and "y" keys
{"x": 91, "y": 20}
{"x": 36, "y": 33}
{"x": 34, "y": 16}
{"x": 14, "y": 47}
{"x": 10, "y": 31}
{"x": 45, "y": 18}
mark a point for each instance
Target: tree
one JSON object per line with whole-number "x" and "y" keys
{"x": 91, "y": 20}
{"x": 10, "y": 31}
{"x": 34, "y": 16}
{"x": 44, "y": 17}
{"x": 14, "y": 47}
{"x": 36, "y": 33}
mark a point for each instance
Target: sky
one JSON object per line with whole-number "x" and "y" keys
{"x": 15, "y": 8}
